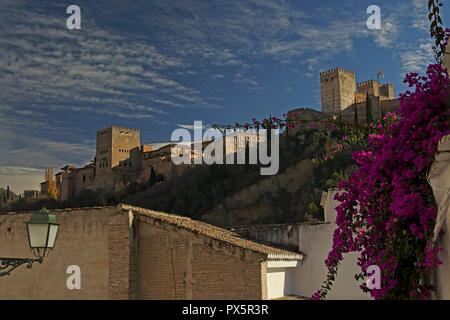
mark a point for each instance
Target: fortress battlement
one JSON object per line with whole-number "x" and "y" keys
{"x": 339, "y": 90}
{"x": 125, "y": 128}
{"x": 336, "y": 70}
{"x": 368, "y": 82}
{"x": 119, "y": 128}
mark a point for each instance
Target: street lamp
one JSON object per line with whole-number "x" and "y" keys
{"x": 42, "y": 230}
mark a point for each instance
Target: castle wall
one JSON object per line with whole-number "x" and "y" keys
{"x": 378, "y": 105}
{"x": 84, "y": 179}
{"x": 347, "y": 88}
{"x": 123, "y": 141}
{"x": 371, "y": 86}
{"x": 387, "y": 90}
{"x": 103, "y": 175}
{"x": 302, "y": 114}
{"x": 124, "y": 176}
{"x": 337, "y": 89}
{"x": 114, "y": 145}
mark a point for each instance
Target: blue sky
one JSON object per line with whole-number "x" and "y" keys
{"x": 158, "y": 65}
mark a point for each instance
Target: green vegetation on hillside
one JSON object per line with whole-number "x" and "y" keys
{"x": 201, "y": 189}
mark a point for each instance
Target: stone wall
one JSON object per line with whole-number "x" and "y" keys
{"x": 378, "y": 105}
{"x": 124, "y": 255}
{"x": 94, "y": 239}
{"x": 337, "y": 88}
{"x": 176, "y": 264}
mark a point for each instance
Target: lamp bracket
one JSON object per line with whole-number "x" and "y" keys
{"x": 9, "y": 264}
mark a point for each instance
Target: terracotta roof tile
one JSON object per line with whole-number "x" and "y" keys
{"x": 216, "y": 233}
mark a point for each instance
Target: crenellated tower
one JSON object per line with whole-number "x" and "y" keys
{"x": 338, "y": 87}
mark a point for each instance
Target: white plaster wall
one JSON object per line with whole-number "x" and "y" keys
{"x": 316, "y": 242}
{"x": 439, "y": 177}
{"x": 279, "y": 282}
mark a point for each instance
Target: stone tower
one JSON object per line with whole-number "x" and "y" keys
{"x": 387, "y": 90}
{"x": 338, "y": 87}
{"x": 114, "y": 144}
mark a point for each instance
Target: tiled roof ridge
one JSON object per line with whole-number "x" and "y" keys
{"x": 273, "y": 225}
{"x": 215, "y": 232}
{"x": 203, "y": 228}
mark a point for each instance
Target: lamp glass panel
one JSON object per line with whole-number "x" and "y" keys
{"x": 38, "y": 235}
{"x": 52, "y": 235}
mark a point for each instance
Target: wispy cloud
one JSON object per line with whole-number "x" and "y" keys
{"x": 161, "y": 60}
{"x": 417, "y": 59}
{"x": 85, "y": 68}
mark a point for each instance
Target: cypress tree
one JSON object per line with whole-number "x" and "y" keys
{"x": 355, "y": 113}
{"x": 247, "y": 152}
{"x": 152, "y": 179}
{"x": 369, "y": 112}
{"x": 8, "y": 193}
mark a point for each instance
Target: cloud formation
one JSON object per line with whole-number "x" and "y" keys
{"x": 163, "y": 61}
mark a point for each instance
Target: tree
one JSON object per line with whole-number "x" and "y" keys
{"x": 247, "y": 154}
{"x": 152, "y": 179}
{"x": 369, "y": 112}
{"x": 355, "y": 113}
{"x": 8, "y": 193}
{"x": 313, "y": 210}
{"x": 52, "y": 192}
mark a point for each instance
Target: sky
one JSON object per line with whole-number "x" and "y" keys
{"x": 160, "y": 65}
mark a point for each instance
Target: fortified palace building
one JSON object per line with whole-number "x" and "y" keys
{"x": 120, "y": 158}
{"x": 340, "y": 95}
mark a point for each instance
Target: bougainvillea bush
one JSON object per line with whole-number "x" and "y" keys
{"x": 387, "y": 209}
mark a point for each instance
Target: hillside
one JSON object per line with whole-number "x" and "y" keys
{"x": 229, "y": 195}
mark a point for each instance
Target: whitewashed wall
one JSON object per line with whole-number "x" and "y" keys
{"x": 316, "y": 241}
{"x": 439, "y": 177}
{"x": 280, "y": 278}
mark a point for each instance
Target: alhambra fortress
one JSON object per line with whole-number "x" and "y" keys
{"x": 129, "y": 252}
{"x": 120, "y": 158}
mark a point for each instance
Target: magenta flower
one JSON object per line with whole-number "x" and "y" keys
{"x": 396, "y": 210}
